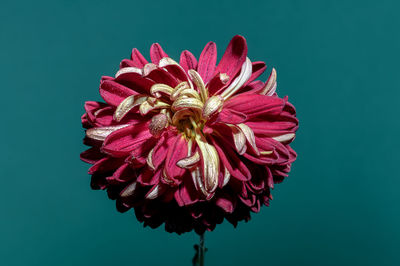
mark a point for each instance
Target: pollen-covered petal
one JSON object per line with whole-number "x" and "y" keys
{"x": 209, "y": 164}
{"x": 156, "y": 89}
{"x": 158, "y": 124}
{"x": 146, "y": 106}
{"x": 129, "y": 70}
{"x": 101, "y": 133}
{"x": 195, "y": 77}
{"x": 212, "y": 105}
{"x": 126, "y": 105}
{"x": 190, "y": 161}
{"x": 185, "y": 102}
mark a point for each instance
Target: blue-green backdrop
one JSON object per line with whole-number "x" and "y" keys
{"x": 337, "y": 60}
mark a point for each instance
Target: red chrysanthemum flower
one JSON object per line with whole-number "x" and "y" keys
{"x": 189, "y": 144}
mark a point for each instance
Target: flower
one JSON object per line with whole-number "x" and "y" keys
{"x": 189, "y": 144}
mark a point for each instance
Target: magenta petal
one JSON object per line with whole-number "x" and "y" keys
{"x": 207, "y": 60}
{"x": 225, "y": 202}
{"x": 229, "y": 116}
{"x": 91, "y": 155}
{"x": 234, "y": 57}
{"x": 122, "y": 142}
{"x": 159, "y": 75}
{"x": 114, "y": 93}
{"x": 258, "y": 68}
{"x": 105, "y": 165}
{"x": 149, "y": 178}
{"x": 231, "y": 161}
{"x": 138, "y": 59}
{"x": 135, "y": 82}
{"x": 253, "y": 105}
{"x": 123, "y": 174}
{"x": 157, "y": 53}
{"x": 252, "y": 88}
{"x": 177, "y": 151}
{"x": 127, "y": 63}
{"x": 161, "y": 148}
{"x": 188, "y": 60}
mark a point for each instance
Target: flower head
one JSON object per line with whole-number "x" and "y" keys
{"x": 190, "y": 143}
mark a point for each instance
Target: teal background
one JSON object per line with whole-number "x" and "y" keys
{"x": 337, "y": 60}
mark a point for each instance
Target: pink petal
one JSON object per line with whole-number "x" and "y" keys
{"x": 161, "y": 148}
{"x": 207, "y": 60}
{"x": 253, "y": 105}
{"x": 156, "y": 53}
{"x": 149, "y": 178}
{"x": 229, "y": 159}
{"x": 123, "y": 174}
{"x": 234, "y": 57}
{"x": 106, "y": 164}
{"x": 159, "y": 75}
{"x": 177, "y": 151}
{"x": 225, "y": 202}
{"x": 138, "y": 59}
{"x": 258, "y": 68}
{"x": 114, "y": 93}
{"x": 188, "y": 61}
{"x": 252, "y": 88}
{"x": 229, "y": 116}
{"x": 122, "y": 142}
{"x": 91, "y": 155}
{"x": 126, "y": 63}
{"x": 187, "y": 194}
{"x": 135, "y": 82}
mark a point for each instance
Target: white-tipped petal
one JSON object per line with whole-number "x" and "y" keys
{"x": 190, "y": 161}
{"x": 270, "y": 86}
{"x": 184, "y": 102}
{"x": 245, "y": 74}
{"x": 149, "y": 160}
{"x": 227, "y": 177}
{"x": 129, "y": 190}
{"x": 155, "y": 192}
{"x": 249, "y": 134}
{"x": 196, "y": 78}
{"x": 126, "y": 105}
{"x": 285, "y": 137}
{"x": 209, "y": 165}
{"x": 212, "y": 105}
{"x": 239, "y": 139}
{"x": 166, "y": 61}
{"x": 157, "y": 89}
{"x": 101, "y": 133}
{"x": 129, "y": 70}
{"x": 148, "y": 68}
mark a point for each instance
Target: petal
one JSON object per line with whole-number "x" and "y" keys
{"x": 177, "y": 151}
{"x": 91, "y": 155}
{"x": 101, "y": 133}
{"x": 106, "y": 164}
{"x": 149, "y": 178}
{"x": 135, "y": 82}
{"x": 114, "y": 93}
{"x": 234, "y": 57}
{"x": 230, "y": 160}
{"x": 257, "y": 69}
{"x": 225, "y": 202}
{"x": 188, "y": 61}
{"x": 138, "y": 59}
{"x": 207, "y": 60}
{"x": 122, "y": 142}
{"x": 253, "y": 105}
{"x": 156, "y": 53}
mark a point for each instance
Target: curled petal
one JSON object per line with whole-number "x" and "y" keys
{"x": 212, "y": 105}
{"x": 239, "y": 139}
{"x": 199, "y": 84}
{"x": 101, "y": 133}
{"x": 184, "y": 102}
{"x": 249, "y": 134}
{"x": 126, "y": 105}
{"x": 129, "y": 70}
{"x": 146, "y": 107}
{"x": 178, "y": 89}
{"x": 270, "y": 85}
{"x": 244, "y": 76}
{"x": 163, "y": 88}
{"x": 209, "y": 165}
{"x": 190, "y": 161}
{"x": 285, "y": 138}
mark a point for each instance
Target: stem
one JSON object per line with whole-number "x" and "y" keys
{"x": 202, "y": 250}
{"x": 198, "y": 259}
